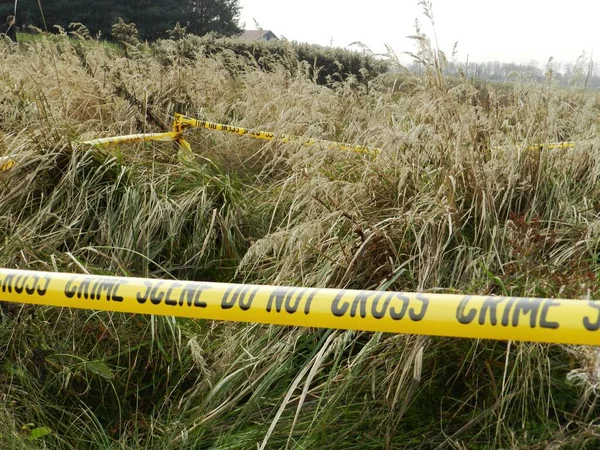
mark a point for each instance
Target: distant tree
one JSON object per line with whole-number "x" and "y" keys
{"x": 152, "y": 17}
{"x": 217, "y": 16}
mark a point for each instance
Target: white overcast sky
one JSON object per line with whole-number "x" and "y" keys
{"x": 507, "y": 30}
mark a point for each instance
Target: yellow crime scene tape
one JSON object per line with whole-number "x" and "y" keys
{"x": 6, "y": 163}
{"x": 269, "y": 136}
{"x": 182, "y": 123}
{"x": 552, "y": 146}
{"x": 467, "y": 316}
{"x": 165, "y": 137}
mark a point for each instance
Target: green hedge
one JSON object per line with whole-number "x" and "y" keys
{"x": 325, "y": 64}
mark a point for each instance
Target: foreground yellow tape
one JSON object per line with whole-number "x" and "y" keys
{"x": 507, "y": 318}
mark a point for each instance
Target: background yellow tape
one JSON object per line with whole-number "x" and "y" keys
{"x": 6, "y": 163}
{"x": 181, "y": 122}
{"x": 514, "y": 318}
{"x": 133, "y": 138}
{"x": 552, "y": 146}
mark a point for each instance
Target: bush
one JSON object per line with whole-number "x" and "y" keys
{"x": 324, "y": 64}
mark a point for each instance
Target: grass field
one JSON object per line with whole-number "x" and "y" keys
{"x": 454, "y": 203}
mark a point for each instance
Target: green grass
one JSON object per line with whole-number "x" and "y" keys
{"x": 30, "y": 38}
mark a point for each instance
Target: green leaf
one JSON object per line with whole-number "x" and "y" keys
{"x": 39, "y": 432}
{"x": 99, "y": 368}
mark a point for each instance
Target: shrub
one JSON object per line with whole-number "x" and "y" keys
{"x": 324, "y": 64}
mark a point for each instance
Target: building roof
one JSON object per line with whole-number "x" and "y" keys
{"x": 256, "y": 35}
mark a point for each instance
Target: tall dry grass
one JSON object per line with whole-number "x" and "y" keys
{"x": 455, "y": 203}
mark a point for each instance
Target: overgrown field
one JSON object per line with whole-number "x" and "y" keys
{"x": 455, "y": 203}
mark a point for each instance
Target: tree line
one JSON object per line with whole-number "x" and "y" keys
{"x": 582, "y": 72}
{"x": 152, "y": 17}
